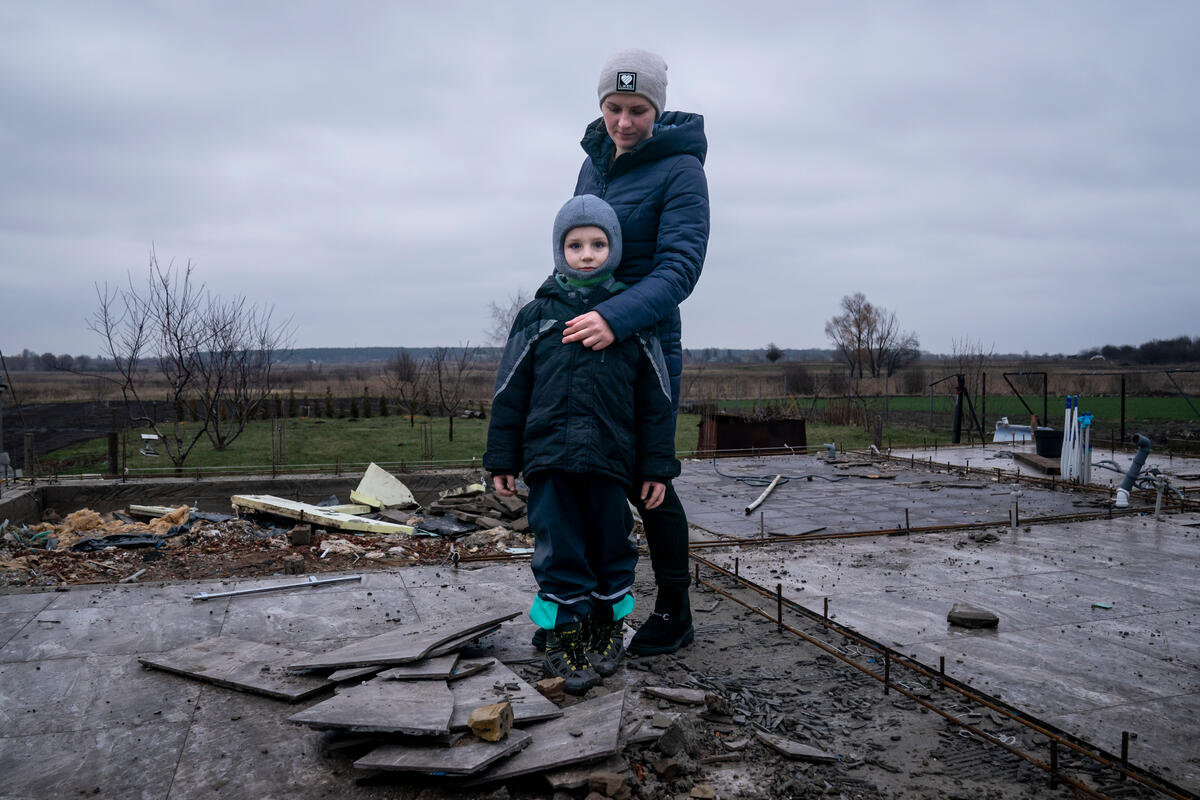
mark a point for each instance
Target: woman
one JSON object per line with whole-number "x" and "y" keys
{"x": 649, "y": 165}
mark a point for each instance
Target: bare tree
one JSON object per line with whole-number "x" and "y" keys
{"x": 450, "y": 370}
{"x": 849, "y": 330}
{"x": 869, "y": 337}
{"x": 970, "y": 358}
{"x": 159, "y": 328}
{"x": 220, "y": 353}
{"x": 502, "y": 317}
{"x": 407, "y": 379}
{"x": 237, "y": 370}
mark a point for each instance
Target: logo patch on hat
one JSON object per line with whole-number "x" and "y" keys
{"x": 626, "y": 81}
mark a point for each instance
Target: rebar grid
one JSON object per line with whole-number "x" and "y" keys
{"x": 1150, "y": 781}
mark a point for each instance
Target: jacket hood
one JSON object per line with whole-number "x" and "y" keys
{"x": 675, "y": 133}
{"x": 587, "y": 210}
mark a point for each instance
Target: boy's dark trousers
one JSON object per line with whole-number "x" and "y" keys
{"x": 583, "y": 556}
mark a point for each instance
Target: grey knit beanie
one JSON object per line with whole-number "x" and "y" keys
{"x": 587, "y": 209}
{"x": 635, "y": 72}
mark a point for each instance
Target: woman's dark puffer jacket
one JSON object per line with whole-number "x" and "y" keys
{"x": 660, "y": 194}
{"x": 565, "y": 407}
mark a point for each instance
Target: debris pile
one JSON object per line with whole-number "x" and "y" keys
{"x": 383, "y": 526}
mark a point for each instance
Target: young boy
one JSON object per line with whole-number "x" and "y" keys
{"x": 583, "y": 426}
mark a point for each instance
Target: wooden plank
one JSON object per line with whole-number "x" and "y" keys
{"x": 467, "y": 758}
{"x": 585, "y": 732}
{"x": 1050, "y": 466}
{"x": 417, "y": 708}
{"x": 494, "y": 685}
{"x": 316, "y": 515}
{"x": 403, "y": 645}
{"x": 240, "y": 664}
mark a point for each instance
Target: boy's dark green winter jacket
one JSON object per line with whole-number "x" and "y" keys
{"x": 565, "y": 407}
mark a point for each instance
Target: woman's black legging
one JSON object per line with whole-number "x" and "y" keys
{"x": 667, "y": 537}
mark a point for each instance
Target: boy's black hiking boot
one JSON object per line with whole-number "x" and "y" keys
{"x": 668, "y": 628}
{"x": 566, "y": 657}
{"x": 606, "y": 642}
{"x": 539, "y": 639}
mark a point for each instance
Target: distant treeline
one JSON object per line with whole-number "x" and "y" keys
{"x": 1180, "y": 350}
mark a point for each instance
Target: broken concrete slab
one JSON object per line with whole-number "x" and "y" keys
{"x": 455, "y": 645}
{"x": 403, "y": 645}
{"x": 353, "y": 673}
{"x": 427, "y": 669}
{"x": 586, "y": 731}
{"x": 416, "y": 708}
{"x": 689, "y": 697}
{"x": 380, "y": 489}
{"x": 240, "y": 664}
{"x": 512, "y": 644}
{"x": 317, "y": 515}
{"x": 496, "y": 685}
{"x": 969, "y": 616}
{"x": 793, "y": 749}
{"x": 465, "y": 758}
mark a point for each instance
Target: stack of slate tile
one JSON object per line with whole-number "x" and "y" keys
{"x": 406, "y": 697}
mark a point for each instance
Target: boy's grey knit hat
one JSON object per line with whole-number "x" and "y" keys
{"x": 635, "y": 72}
{"x": 587, "y": 209}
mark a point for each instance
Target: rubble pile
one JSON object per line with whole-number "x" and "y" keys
{"x": 382, "y": 527}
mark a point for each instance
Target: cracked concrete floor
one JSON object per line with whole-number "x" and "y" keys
{"x": 78, "y": 714}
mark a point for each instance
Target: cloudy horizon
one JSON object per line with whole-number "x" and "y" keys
{"x": 1021, "y": 175}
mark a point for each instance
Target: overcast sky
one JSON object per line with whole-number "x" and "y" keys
{"x": 1021, "y": 175}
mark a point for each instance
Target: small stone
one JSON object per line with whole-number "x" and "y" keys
{"x": 492, "y": 722}
{"x": 553, "y": 689}
{"x": 661, "y": 721}
{"x": 667, "y": 768}
{"x": 672, "y": 742}
{"x": 609, "y": 784}
{"x": 969, "y": 616}
{"x": 300, "y": 536}
{"x": 717, "y": 704}
{"x": 703, "y": 791}
{"x": 293, "y": 565}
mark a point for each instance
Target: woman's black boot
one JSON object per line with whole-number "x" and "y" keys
{"x": 668, "y": 628}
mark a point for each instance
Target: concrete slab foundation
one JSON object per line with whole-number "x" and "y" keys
{"x": 80, "y": 717}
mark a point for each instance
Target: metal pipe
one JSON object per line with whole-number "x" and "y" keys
{"x": 1135, "y": 469}
{"x": 313, "y": 580}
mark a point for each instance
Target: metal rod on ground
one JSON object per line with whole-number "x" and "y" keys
{"x": 779, "y": 605}
{"x": 941, "y": 672}
{"x": 133, "y": 577}
{"x": 763, "y": 496}
{"x": 825, "y": 622}
{"x": 312, "y": 581}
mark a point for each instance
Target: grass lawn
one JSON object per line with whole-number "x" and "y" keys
{"x": 329, "y": 444}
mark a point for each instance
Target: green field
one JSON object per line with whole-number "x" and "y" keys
{"x": 336, "y": 444}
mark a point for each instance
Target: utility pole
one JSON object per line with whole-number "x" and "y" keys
{"x": 4, "y": 460}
